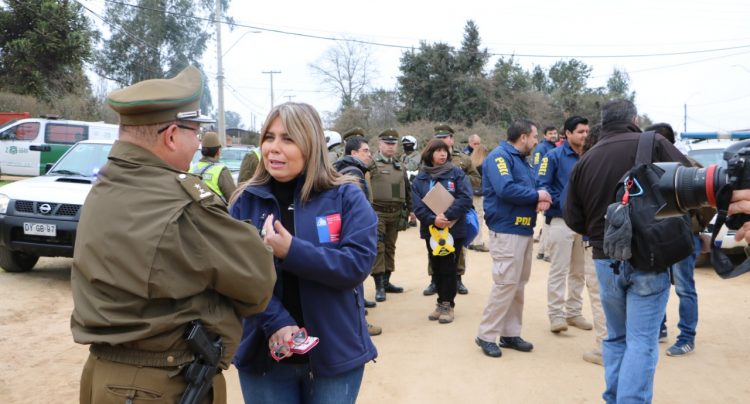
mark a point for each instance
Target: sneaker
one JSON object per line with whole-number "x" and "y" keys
{"x": 540, "y": 256}
{"x": 558, "y": 325}
{"x": 516, "y": 343}
{"x": 430, "y": 290}
{"x": 579, "y": 322}
{"x": 594, "y": 356}
{"x": 489, "y": 348}
{"x": 447, "y": 315}
{"x": 680, "y": 349}
{"x": 435, "y": 315}
{"x": 374, "y": 329}
{"x": 460, "y": 287}
{"x": 662, "y": 335}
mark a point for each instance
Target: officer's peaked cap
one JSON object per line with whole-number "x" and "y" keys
{"x": 161, "y": 100}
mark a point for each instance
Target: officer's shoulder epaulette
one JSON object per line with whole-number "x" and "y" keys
{"x": 194, "y": 187}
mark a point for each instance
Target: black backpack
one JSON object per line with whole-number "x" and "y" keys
{"x": 655, "y": 244}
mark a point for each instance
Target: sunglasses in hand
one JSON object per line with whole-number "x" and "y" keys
{"x": 299, "y": 344}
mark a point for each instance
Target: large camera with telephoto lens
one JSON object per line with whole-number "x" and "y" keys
{"x": 685, "y": 188}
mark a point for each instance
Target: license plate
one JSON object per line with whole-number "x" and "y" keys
{"x": 40, "y": 229}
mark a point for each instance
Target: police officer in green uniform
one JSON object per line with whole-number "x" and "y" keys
{"x": 355, "y": 131}
{"x": 390, "y": 192}
{"x": 335, "y": 147}
{"x": 215, "y": 175}
{"x": 156, "y": 251}
{"x": 445, "y": 133}
{"x": 411, "y": 158}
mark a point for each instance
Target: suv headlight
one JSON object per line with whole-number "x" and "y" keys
{"x": 4, "y": 201}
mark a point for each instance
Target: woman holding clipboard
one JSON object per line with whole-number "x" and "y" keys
{"x": 441, "y": 195}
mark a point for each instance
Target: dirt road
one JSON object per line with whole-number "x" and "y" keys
{"x": 419, "y": 361}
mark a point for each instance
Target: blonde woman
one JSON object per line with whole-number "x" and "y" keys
{"x": 478, "y": 154}
{"x": 322, "y": 231}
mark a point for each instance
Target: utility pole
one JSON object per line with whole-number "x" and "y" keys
{"x": 271, "y": 73}
{"x": 289, "y": 97}
{"x": 220, "y": 76}
{"x": 684, "y": 117}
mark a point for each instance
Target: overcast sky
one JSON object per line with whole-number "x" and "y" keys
{"x": 715, "y": 84}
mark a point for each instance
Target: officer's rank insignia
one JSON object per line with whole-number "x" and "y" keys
{"x": 194, "y": 187}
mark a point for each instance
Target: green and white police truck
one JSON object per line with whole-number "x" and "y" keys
{"x": 28, "y": 146}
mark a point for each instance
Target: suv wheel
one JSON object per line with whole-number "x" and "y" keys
{"x": 16, "y": 261}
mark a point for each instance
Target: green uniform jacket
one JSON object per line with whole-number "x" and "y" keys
{"x": 411, "y": 161}
{"x": 249, "y": 164}
{"x": 389, "y": 183}
{"x": 155, "y": 250}
{"x": 460, "y": 159}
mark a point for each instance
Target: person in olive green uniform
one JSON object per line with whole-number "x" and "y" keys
{"x": 214, "y": 174}
{"x": 390, "y": 191}
{"x": 411, "y": 160}
{"x": 335, "y": 147}
{"x": 459, "y": 159}
{"x": 157, "y": 250}
{"x": 249, "y": 164}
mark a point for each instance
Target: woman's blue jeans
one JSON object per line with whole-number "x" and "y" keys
{"x": 634, "y": 304}
{"x": 294, "y": 383}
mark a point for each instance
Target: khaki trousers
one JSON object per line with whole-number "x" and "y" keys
{"x": 566, "y": 249}
{"x": 479, "y": 207}
{"x": 592, "y": 284}
{"x": 572, "y": 261}
{"x": 387, "y": 236}
{"x": 105, "y": 382}
{"x": 511, "y": 269}
{"x": 544, "y": 247}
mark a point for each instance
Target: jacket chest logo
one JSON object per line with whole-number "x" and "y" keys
{"x": 329, "y": 228}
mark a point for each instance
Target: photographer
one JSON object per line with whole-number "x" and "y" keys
{"x": 634, "y": 301}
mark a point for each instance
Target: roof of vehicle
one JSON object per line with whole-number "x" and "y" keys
{"x": 710, "y": 144}
{"x": 100, "y": 141}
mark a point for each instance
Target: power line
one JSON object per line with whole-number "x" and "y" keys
{"x": 387, "y": 45}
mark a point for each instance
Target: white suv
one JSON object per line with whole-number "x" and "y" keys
{"x": 39, "y": 216}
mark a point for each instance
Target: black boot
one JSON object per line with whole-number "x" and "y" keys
{"x": 460, "y": 288}
{"x": 370, "y": 304}
{"x": 379, "y": 287}
{"x": 431, "y": 289}
{"x": 389, "y": 287}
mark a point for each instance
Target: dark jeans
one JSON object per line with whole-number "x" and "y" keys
{"x": 294, "y": 384}
{"x": 444, "y": 272}
{"x": 684, "y": 285}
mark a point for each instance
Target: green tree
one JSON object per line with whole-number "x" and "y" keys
{"x": 618, "y": 85}
{"x": 43, "y": 47}
{"x": 427, "y": 83}
{"x": 568, "y": 82}
{"x": 232, "y": 119}
{"x": 155, "y": 39}
{"x": 470, "y": 59}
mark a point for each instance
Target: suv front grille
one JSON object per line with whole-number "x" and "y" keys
{"x": 55, "y": 209}
{"x": 25, "y": 206}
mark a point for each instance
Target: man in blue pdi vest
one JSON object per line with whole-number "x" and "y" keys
{"x": 549, "y": 143}
{"x": 572, "y": 262}
{"x": 511, "y": 203}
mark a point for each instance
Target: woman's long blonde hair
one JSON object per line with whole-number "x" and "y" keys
{"x": 478, "y": 155}
{"x": 305, "y": 129}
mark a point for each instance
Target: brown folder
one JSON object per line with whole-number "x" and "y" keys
{"x": 438, "y": 199}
